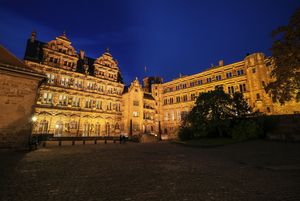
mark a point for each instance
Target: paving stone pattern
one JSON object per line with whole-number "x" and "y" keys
{"x": 255, "y": 170}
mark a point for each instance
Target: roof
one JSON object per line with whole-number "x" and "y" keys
{"x": 10, "y": 62}
{"x": 8, "y": 58}
{"x": 148, "y": 96}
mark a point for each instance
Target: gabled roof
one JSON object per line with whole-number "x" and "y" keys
{"x": 10, "y": 62}
{"x": 34, "y": 52}
{"x": 8, "y": 58}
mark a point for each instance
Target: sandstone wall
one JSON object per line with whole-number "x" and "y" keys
{"x": 17, "y": 97}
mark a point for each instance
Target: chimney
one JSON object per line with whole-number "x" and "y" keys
{"x": 221, "y": 62}
{"x": 81, "y": 54}
{"x": 33, "y": 36}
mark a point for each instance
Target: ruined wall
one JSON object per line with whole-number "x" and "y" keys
{"x": 17, "y": 97}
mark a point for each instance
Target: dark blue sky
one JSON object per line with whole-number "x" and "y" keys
{"x": 167, "y": 36}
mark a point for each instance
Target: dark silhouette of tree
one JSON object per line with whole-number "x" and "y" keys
{"x": 214, "y": 112}
{"x": 286, "y": 54}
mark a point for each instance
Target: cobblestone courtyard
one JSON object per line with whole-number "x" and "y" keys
{"x": 255, "y": 170}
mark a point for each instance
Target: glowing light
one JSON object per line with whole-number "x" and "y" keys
{"x": 56, "y": 126}
{"x": 34, "y": 118}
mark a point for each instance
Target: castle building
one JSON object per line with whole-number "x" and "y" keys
{"x": 82, "y": 97}
{"x": 85, "y": 96}
{"x": 249, "y": 76}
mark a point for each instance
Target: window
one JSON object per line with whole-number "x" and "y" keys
{"x": 171, "y": 100}
{"x": 199, "y": 82}
{"x": 63, "y": 100}
{"x": 268, "y": 110}
{"x": 90, "y": 85}
{"x": 47, "y": 98}
{"x": 178, "y": 99}
{"x": 88, "y": 103}
{"x": 172, "y": 116}
{"x": 229, "y": 75}
{"x": 231, "y": 90}
{"x": 73, "y": 125}
{"x": 78, "y": 83}
{"x": 135, "y": 114}
{"x": 183, "y": 86}
{"x": 193, "y": 97}
{"x": 109, "y": 106}
{"x": 192, "y": 84}
{"x": 208, "y": 80}
{"x": 165, "y": 101}
{"x": 240, "y": 72}
{"x": 99, "y": 104}
{"x": 185, "y": 98}
{"x": 76, "y": 101}
{"x": 257, "y": 96}
{"x": 64, "y": 81}
{"x": 166, "y": 116}
{"x": 136, "y": 103}
{"x": 242, "y": 88}
{"x": 253, "y": 70}
{"x": 51, "y": 78}
{"x": 101, "y": 88}
{"x": 177, "y": 87}
{"x": 218, "y": 77}
{"x": 178, "y": 115}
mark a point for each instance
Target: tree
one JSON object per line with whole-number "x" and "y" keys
{"x": 286, "y": 54}
{"x": 214, "y": 113}
{"x": 209, "y": 115}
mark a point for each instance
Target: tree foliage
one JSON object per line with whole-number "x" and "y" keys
{"x": 214, "y": 112}
{"x": 286, "y": 54}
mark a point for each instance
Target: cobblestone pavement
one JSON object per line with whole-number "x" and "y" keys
{"x": 255, "y": 170}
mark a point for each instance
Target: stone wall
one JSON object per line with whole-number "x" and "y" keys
{"x": 17, "y": 97}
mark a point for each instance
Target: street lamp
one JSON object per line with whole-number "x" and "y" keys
{"x": 34, "y": 118}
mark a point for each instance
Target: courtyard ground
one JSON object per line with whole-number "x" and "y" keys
{"x": 254, "y": 170}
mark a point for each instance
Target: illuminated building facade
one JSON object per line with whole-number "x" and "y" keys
{"x": 85, "y": 97}
{"x": 249, "y": 76}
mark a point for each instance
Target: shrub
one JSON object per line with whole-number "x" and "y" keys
{"x": 246, "y": 129}
{"x": 185, "y": 133}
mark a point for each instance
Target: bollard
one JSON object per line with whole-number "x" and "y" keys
{"x": 73, "y": 142}
{"x": 95, "y": 142}
{"x": 59, "y": 143}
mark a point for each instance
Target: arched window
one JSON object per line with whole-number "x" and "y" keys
{"x": 98, "y": 129}
{"x": 43, "y": 126}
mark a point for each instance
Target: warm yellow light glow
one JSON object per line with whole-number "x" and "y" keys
{"x": 34, "y": 118}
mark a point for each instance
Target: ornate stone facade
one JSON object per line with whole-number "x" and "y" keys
{"x": 84, "y": 96}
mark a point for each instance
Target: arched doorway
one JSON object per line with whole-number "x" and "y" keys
{"x": 59, "y": 128}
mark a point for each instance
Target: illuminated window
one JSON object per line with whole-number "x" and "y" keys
{"x": 135, "y": 114}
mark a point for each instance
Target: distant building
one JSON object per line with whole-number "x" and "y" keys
{"x": 18, "y": 90}
{"x": 84, "y": 96}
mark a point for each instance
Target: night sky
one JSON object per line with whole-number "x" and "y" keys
{"x": 167, "y": 36}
